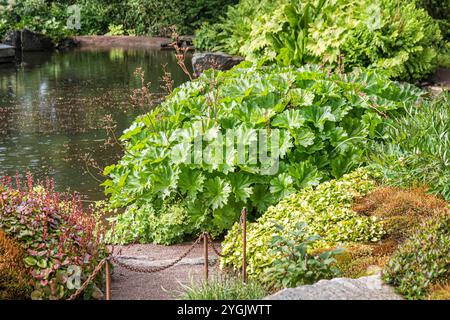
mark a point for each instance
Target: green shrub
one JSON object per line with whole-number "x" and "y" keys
{"x": 423, "y": 260}
{"x": 62, "y": 243}
{"x": 233, "y": 29}
{"x": 224, "y": 289}
{"x": 97, "y": 15}
{"x": 36, "y": 15}
{"x": 143, "y": 224}
{"x": 323, "y": 122}
{"x": 444, "y": 56}
{"x": 439, "y": 10}
{"x": 115, "y": 30}
{"x": 294, "y": 266}
{"x": 415, "y": 150}
{"x": 391, "y": 35}
{"x": 326, "y": 211}
{"x": 154, "y": 17}
{"x": 145, "y": 17}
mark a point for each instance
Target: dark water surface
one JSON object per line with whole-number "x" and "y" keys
{"x": 52, "y": 106}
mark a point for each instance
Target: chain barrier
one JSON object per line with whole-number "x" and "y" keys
{"x": 157, "y": 269}
{"x": 231, "y": 249}
{"x": 88, "y": 280}
{"x": 114, "y": 259}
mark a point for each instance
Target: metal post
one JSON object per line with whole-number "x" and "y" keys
{"x": 205, "y": 251}
{"x": 244, "y": 245}
{"x": 108, "y": 281}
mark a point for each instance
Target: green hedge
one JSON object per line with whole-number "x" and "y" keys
{"x": 137, "y": 17}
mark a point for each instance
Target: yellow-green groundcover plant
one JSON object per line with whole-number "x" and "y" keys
{"x": 326, "y": 211}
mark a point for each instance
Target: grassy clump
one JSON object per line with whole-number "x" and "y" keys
{"x": 415, "y": 148}
{"x": 227, "y": 288}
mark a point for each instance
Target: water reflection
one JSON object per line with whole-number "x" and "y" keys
{"x": 51, "y": 109}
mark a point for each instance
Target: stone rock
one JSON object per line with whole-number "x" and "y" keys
{"x": 185, "y": 41}
{"x": 7, "y": 53}
{"x": 373, "y": 269}
{"x": 13, "y": 38}
{"x": 365, "y": 288}
{"x": 440, "y": 80}
{"x": 27, "y": 40}
{"x": 32, "y": 41}
{"x": 215, "y": 60}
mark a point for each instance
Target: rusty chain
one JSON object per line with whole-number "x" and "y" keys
{"x": 88, "y": 280}
{"x": 157, "y": 269}
{"x": 236, "y": 237}
{"x": 114, "y": 259}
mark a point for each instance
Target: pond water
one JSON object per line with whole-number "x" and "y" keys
{"x": 52, "y": 108}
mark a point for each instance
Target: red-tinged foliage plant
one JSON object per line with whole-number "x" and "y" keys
{"x": 63, "y": 243}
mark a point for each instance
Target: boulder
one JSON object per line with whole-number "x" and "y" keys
{"x": 7, "y": 53}
{"x": 215, "y": 60}
{"x": 13, "y": 38}
{"x": 365, "y": 288}
{"x": 28, "y": 40}
{"x": 32, "y": 41}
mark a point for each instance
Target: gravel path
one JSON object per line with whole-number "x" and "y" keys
{"x": 167, "y": 284}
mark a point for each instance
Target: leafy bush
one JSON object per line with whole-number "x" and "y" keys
{"x": 423, "y": 260}
{"x": 156, "y": 16}
{"x": 323, "y": 122}
{"x": 98, "y": 15}
{"x": 233, "y": 29}
{"x": 36, "y": 15}
{"x": 415, "y": 150}
{"x": 115, "y": 30}
{"x": 294, "y": 266}
{"x": 326, "y": 211}
{"x": 224, "y": 289}
{"x": 439, "y": 10}
{"x": 59, "y": 239}
{"x": 143, "y": 224}
{"x": 392, "y": 35}
{"x": 14, "y": 276}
